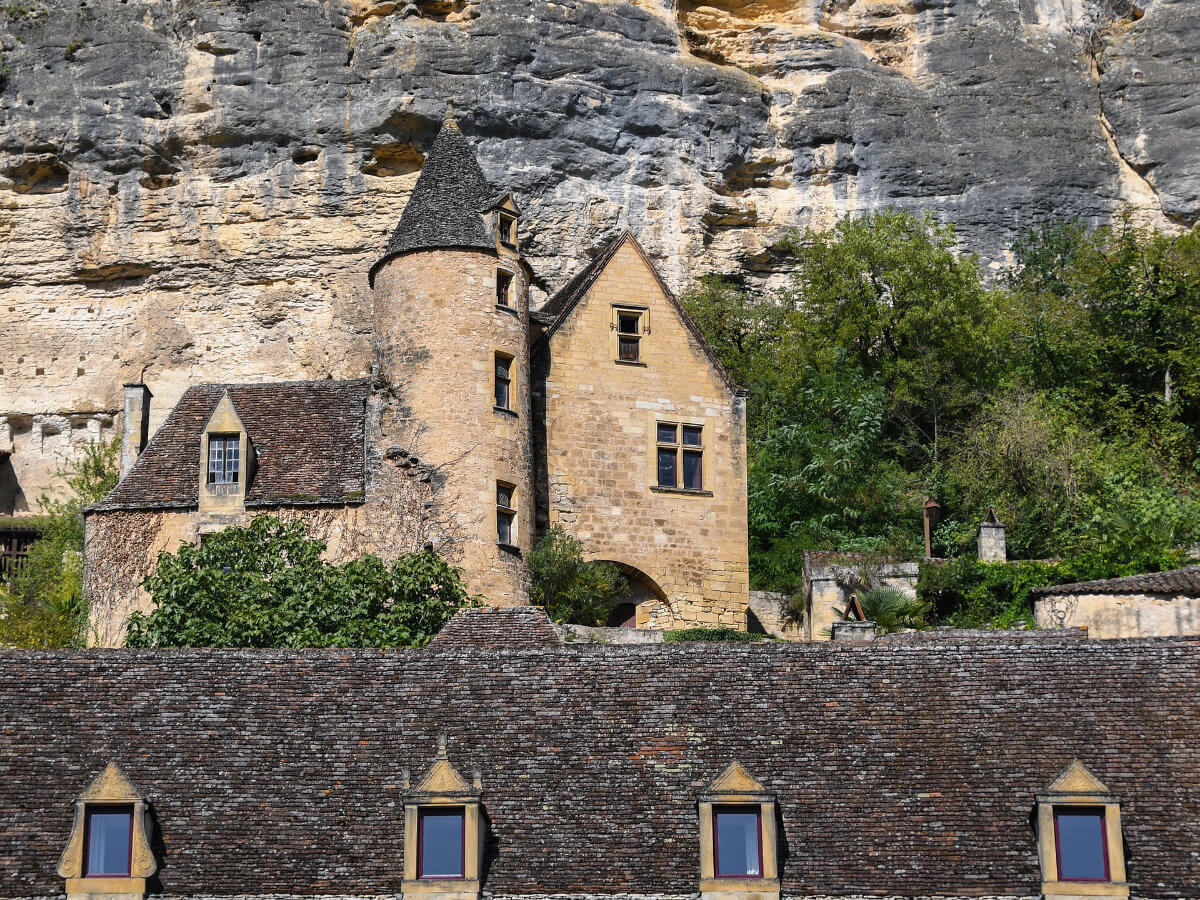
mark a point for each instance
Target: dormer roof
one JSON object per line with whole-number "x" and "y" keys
{"x": 447, "y": 205}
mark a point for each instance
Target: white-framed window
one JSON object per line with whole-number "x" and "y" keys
{"x": 224, "y": 458}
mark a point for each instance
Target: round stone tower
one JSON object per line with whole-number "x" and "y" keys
{"x": 451, "y": 355}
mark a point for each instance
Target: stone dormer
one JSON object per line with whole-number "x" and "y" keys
{"x": 226, "y": 460}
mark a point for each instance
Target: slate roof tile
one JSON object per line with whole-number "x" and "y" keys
{"x": 1176, "y": 581}
{"x": 308, "y": 438}
{"x": 900, "y": 770}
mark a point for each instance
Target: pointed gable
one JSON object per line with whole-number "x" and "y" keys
{"x": 110, "y": 785}
{"x": 1077, "y": 779}
{"x": 558, "y": 309}
{"x": 447, "y": 205}
{"x": 735, "y": 780}
{"x": 225, "y": 418}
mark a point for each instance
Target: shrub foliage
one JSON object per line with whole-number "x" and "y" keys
{"x": 571, "y": 589}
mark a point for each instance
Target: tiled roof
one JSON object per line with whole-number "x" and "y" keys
{"x": 1177, "y": 581}
{"x": 900, "y": 770}
{"x": 446, "y": 206}
{"x": 571, "y": 292}
{"x": 308, "y": 439}
{"x": 510, "y": 627}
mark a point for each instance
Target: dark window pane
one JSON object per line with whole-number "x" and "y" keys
{"x": 666, "y": 433}
{"x": 627, "y": 324}
{"x": 503, "y": 363}
{"x": 503, "y": 283}
{"x": 504, "y": 495}
{"x": 1080, "y": 835}
{"x": 666, "y": 468}
{"x": 508, "y": 230}
{"x": 502, "y": 393}
{"x": 504, "y": 527}
{"x": 108, "y": 841}
{"x": 693, "y": 471}
{"x": 441, "y": 840}
{"x": 691, "y": 435}
{"x": 737, "y": 837}
{"x": 627, "y": 349}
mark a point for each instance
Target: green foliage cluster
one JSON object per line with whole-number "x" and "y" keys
{"x": 705, "y": 635}
{"x": 570, "y": 589}
{"x": 266, "y": 585}
{"x": 891, "y": 610}
{"x": 44, "y": 605}
{"x": 1065, "y": 392}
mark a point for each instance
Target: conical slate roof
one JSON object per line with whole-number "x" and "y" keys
{"x": 446, "y": 206}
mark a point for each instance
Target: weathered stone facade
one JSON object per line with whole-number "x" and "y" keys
{"x": 1158, "y": 604}
{"x": 688, "y": 548}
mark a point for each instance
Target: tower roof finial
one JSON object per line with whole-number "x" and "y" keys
{"x": 449, "y": 117}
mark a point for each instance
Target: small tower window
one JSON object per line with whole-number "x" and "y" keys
{"x": 108, "y": 837}
{"x": 507, "y": 226}
{"x": 506, "y": 514}
{"x": 224, "y": 458}
{"x": 503, "y": 382}
{"x": 504, "y": 288}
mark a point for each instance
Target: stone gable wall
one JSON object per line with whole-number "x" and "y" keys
{"x": 600, "y": 440}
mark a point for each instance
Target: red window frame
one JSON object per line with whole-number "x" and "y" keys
{"x": 461, "y": 811}
{"x": 1094, "y": 810}
{"x": 87, "y": 839}
{"x": 717, "y": 810}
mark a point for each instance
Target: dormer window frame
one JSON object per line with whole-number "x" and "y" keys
{"x": 506, "y": 228}
{"x": 736, "y": 790}
{"x": 229, "y": 494}
{"x": 441, "y": 791}
{"x": 1077, "y": 791}
{"x": 110, "y": 791}
{"x": 221, "y": 444}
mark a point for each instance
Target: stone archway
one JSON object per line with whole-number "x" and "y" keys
{"x": 642, "y": 589}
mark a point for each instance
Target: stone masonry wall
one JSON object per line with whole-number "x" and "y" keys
{"x": 1120, "y": 615}
{"x": 600, "y": 436}
{"x": 437, "y": 332}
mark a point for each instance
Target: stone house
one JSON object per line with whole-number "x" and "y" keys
{"x": 483, "y": 423}
{"x": 500, "y": 762}
{"x": 1156, "y": 604}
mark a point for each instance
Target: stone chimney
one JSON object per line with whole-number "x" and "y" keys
{"x": 135, "y": 425}
{"x": 993, "y": 546}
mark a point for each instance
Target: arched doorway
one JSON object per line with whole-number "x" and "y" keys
{"x": 642, "y": 589}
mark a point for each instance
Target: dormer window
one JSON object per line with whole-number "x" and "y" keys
{"x": 1079, "y": 837}
{"x": 444, "y": 834}
{"x": 506, "y": 225}
{"x": 224, "y": 458}
{"x": 738, "y": 856}
{"x": 108, "y": 852}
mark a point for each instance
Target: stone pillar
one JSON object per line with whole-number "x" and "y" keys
{"x": 993, "y": 546}
{"x": 135, "y": 425}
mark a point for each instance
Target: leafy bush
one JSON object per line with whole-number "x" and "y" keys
{"x": 689, "y": 635}
{"x": 892, "y": 610}
{"x": 570, "y": 589}
{"x": 47, "y": 593}
{"x": 28, "y": 626}
{"x": 265, "y": 585}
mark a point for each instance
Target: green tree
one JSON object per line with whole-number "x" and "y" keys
{"x": 45, "y": 605}
{"x": 266, "y": 585}
{"x": 570, "y": 588}
{"x": 892, "y": 610}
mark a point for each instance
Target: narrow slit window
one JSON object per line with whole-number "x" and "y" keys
{"x": 441, "y": 843}
{"x": 504, "y": 288}
{"x": 1079, "y": 835}
{"x": 737, "y": 840}
{"x": 503, "y": 381}
{"x": 224, "y": 458}
{"x": 629, "y": 336}
{"x": 506, "y": 514}
{"x": 108, "y": 841}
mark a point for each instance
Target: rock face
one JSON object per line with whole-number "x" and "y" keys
{"x": 195, "y": 191}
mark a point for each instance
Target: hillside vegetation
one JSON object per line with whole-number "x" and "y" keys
{"x": 1064, "y": 391}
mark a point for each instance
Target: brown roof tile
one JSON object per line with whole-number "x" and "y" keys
{"x": 1176, "y": 581}
{"x": 308, "y": 438}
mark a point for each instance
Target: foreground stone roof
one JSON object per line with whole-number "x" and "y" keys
{"x": 1175, "y": 582}
{"x": 900, "y": 770}
{"x": 308, "y": 439}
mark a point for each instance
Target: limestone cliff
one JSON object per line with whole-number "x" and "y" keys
{"x": 195, "y": 190}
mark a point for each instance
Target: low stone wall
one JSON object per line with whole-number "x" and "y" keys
{"x": 1120, "y": 615}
